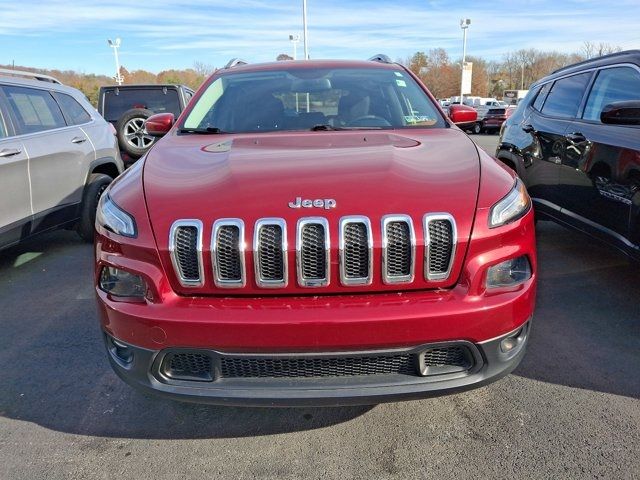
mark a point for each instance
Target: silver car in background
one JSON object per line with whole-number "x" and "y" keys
{"x": 57, "y": 155}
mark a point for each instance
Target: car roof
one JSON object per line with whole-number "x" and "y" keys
{"x": 146, "y": 85}
{"x": 628, "y": 56}
{"x": 28, "y": 82}
{"x": 307, "y": 64}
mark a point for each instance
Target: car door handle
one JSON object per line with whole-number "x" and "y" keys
{"x": 528, "y": 128}
{"x": 78, "y": 140}
{"x": 576, "y": 137}
{"x": 9, "y": 152}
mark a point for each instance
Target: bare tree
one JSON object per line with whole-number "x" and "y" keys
{"x": 592, "y": 50}
{"x": 203, "y": 69}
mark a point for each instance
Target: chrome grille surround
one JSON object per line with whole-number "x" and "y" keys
{"x": 440, "y": 241}
{"x": 344, "y": 247}
{"x": 387, "y": 258}
{"x": 302, "y": 245}
{"x": 258, "y": 251}
{"x": 431, "y": 244}
{"x": 177, "y": 257}
{"x": 222, "y": 259}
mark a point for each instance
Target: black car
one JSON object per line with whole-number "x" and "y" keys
{"x": 575, "y": 142}
{"x": 128, "y": 106}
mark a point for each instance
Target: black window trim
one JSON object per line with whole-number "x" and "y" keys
{"x": 592, "y": 81}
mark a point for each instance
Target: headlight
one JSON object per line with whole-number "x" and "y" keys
{"x": 114, "y": 219}
{"x": 509, "y": 273}
{"x": 121, "y": 283}
{"x": 511, "y": 207}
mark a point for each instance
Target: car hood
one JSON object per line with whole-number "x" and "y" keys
{"x": 253, "y": 176}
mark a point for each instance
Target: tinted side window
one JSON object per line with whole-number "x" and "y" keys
{"x": 541, "y": 96}
{"x": 35, "y": 110}
{"x": 565, "y": 96}
{"x": 612, "y": 85}
{"x": 73, "y": 111}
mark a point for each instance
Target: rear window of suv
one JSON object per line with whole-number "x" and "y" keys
{"x": 301, "y": 99}
{"x": 158, "y": 100}
{"x": 565, "y": 96}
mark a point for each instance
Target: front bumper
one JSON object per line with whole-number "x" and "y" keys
{"x": 319, "y": 325}
{"x": 144, "y": 372}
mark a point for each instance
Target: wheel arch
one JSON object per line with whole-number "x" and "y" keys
{"x": 511, "y": 160}
{"x": 105, "y": 165}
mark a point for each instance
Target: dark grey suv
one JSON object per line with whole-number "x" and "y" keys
{"x": 575, "y": 141}
{"x": 127, "y": 107}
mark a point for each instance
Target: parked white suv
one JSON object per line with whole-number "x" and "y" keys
{"x": 57, "y": 155}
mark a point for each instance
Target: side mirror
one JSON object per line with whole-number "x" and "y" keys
{"x": 159, "y": 124}
{"x": 621, "y": 113}
{"x": 462, "y": 114}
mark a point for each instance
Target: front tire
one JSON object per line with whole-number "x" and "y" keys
{"x": 94, "y": 189}
{"x": 477, "y": 128}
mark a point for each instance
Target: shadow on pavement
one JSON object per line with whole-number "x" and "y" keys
{"x": 54, "y": 371}
{"x": 586, "y": 330}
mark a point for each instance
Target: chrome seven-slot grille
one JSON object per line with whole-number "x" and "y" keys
{"x": 312, "y": 241}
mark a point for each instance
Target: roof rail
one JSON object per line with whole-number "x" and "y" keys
{"x": 595, "y": 59}
{"x": 234, "y": 62}
{"x": 381, "y": 58}
{"x": 33, "y": 75}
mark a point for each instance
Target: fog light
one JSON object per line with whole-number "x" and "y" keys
{"x": 121, "y": 283}
{"x": 120, "y": 351}
{"x": 511, "y": 342}
{"x": 509, "y": 273}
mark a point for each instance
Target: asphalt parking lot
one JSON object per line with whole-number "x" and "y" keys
{"x": 571, "y": 410}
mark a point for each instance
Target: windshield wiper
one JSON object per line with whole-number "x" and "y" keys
{"x": 324, "y": 127}
{"x": 201, "y": 130}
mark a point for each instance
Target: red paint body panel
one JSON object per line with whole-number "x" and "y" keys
{"x": 372, "y": 173}
{"x": 159, "y": 124}
{"x": 348, "y": 321}
{"x": 410, "y": 172}
{"x": 330, "y": 323}
{"x": 462, "y": 114}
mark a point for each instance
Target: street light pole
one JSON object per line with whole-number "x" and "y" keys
{"x": 304, "y": 25}
{"x": 115, "y": 45}
{"x": 295, "y": 39}
{"x": 464, "y": 24}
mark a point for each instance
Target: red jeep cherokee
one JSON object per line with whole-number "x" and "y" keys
{"x": 314, "y": 232}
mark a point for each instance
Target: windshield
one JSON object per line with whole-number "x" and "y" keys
{"x": 301, "y": 99}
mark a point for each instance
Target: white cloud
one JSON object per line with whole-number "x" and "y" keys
{"x": 259, "y": 30}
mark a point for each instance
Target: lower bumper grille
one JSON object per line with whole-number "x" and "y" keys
{"x": 316, "y": 367}
{"x": 207, "y": 366}
{"x": 188, "y": 366}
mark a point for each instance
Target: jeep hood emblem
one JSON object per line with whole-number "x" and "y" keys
{"x": 326, "y": 203}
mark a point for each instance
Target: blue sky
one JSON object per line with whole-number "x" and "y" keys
{"x": 162, "y": 34}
